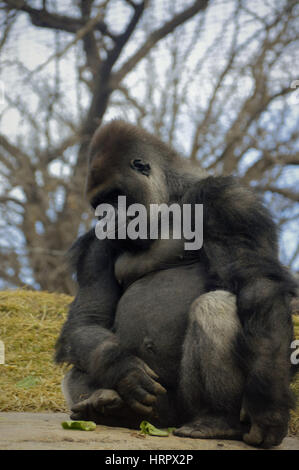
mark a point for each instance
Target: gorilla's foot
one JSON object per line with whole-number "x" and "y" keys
{"x": 102, "y": 401}
{"x": 105, "y": 406}
{"x": 213, "y": 427}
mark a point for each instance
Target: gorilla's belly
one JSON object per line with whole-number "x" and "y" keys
{"x": 152, "y": 316}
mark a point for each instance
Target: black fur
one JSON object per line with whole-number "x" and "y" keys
{"x": 160, "y": 333}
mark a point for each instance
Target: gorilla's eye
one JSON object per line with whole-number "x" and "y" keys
{"x": 140, "y": 166}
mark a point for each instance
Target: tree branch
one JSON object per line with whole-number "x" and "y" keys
{"x": 103, "y": 89}
{"x": 251, "y": 110}
{"x": 45, "y": 19}
{"x": 89, "y": 41}
{"x": 285, "y": 192}
{"x": 123, "y": 38}
{"x": 89, "y": 26}
{"x": 6, "y": 199}
{"x": 156, "y": 36}
{"x": 12, "y": 149}
{"x": 50, "y": 154}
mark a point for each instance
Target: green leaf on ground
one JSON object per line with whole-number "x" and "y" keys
{"x": 170, "y": 430}
{"x": 79, "y": 425}
{"x": 148, "y": 428}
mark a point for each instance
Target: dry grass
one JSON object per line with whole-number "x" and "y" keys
{"x": 29, "y": 325}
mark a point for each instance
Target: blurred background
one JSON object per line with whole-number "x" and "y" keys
{"x": 218, "y": 80}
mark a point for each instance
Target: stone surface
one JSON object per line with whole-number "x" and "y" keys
{"x": 43, "y": 431}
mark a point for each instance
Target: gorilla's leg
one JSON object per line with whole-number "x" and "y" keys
{"x": 211, "y": 381}
{"x": 103, "y": 406}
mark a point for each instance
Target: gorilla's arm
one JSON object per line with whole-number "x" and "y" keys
{"x": 91, "y": 315}
{"x": 162, "y": 254}
{"x": 87, "y": 340}
{"x": 240, "y": 251}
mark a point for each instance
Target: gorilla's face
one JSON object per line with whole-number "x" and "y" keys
{"x": 124, "y": 161}
{"x": 127, "y": 161}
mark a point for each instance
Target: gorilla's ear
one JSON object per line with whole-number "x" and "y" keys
{"x": 140, "y": 166}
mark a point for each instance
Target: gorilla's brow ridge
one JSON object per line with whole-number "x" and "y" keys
{"x": 119, "y": 133}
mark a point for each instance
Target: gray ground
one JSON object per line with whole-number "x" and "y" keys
{"x": 44, "y": 431}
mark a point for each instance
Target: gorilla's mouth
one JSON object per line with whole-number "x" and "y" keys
{"x": 107, "y": 197}
{"x": 118, "y": 211}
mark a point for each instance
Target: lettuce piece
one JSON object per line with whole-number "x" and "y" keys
{"x": 79, "y": 425}
{"x": 170, "y": 430}
{"x": 148, "y": 428}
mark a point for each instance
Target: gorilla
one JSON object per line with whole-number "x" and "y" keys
{"x": 196, "y": 339}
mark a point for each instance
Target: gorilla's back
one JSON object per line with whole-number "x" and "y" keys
{"x": 152, "y": 316}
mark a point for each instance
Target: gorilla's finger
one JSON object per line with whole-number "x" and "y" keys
{"x": 159, "y": 389}
{"x": 152, "y": 386}
{"x": 139, "y": 407}
{"x": 143, "y": 396}
{"x": 149, "y": 399}
{"x": 150, "y": 372}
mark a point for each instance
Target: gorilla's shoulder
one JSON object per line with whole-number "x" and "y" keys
{"x": 88, "y": 253}
{"x": 80, "y": 248}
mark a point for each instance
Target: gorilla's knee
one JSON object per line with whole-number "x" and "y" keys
{"x": 210, "y": 372}
{"x": 65, "y": 387}
{"x": 75, "y": 387}
{"x": 216, "y": 315}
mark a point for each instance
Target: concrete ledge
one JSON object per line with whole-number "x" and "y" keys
{"x": 43, "y": 431}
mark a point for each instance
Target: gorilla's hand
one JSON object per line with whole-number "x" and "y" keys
{"x": 116, "y": 369}
{"x": 268, "y": 428}
{"x": 138, "y": 386}
{"x": 127, "y": 268}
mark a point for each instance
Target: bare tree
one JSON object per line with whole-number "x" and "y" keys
{"x": 213, "y": 80}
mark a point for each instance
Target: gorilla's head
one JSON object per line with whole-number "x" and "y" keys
{"x": 126, "y": 160}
